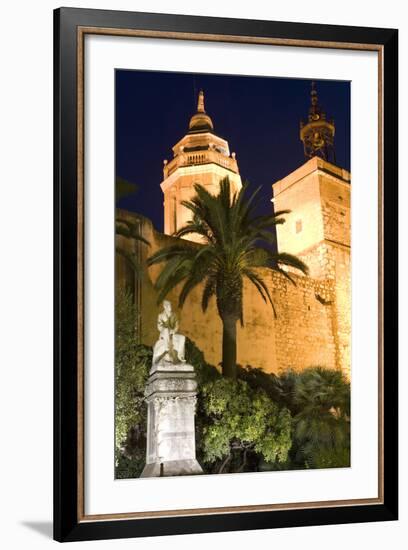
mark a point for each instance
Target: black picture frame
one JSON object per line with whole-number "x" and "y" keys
{"x": 67, "y": 523}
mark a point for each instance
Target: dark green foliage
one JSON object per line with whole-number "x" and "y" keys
{"x": 127, "y": 468}
{"x": 317, "y": 389}
{"x": 321, "y": 407}
{"x": 236, "y": 243}
{"x": 238, "y": 426}
{"x": 258, "y": 422}
{"x": 127, "y": 228}
{"x": 131, "y": 458}
{"x": 258, "y": 378}
{"x": 132, "y": 364}
{"x": 130, "y": 230}
{"x": 124, "y": 188}
{"x": 319, "y": 401}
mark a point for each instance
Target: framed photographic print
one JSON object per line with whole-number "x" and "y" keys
{"x": 225, "y": 274}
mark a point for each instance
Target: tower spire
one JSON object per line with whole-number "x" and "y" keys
{"x": 313, "y": 96}
{"x": 200, "y": 102}
{"x": 317, "y": 133}
{"x": 200, "y": 121}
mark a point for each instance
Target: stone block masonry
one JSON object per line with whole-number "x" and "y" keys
{"x": 306, "y": 331}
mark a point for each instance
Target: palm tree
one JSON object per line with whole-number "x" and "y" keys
{"x": 130, "y": 230}
{"x": 236, "y": 242}
{"x": 127, "y": 228}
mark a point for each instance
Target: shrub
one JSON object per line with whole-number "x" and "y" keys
{"x": 239, "y": 425}
{"x": 132, "y": 364}
{"x": 261, "y": 421}
{"x": 319, "y": 400}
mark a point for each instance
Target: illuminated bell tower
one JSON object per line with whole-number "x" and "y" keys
{"x": 317, "y": 134}
{"x": 199, "y": 157}
{"x": 317, "y": 227}
{"x": 317, "y": 194}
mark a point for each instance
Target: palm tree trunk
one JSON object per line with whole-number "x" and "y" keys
{"x": 229, "y": 346}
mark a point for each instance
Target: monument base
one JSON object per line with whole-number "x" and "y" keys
{"x": 172, "y": 468}
{"x": 171, "y": 396}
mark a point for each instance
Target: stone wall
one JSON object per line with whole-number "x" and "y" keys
{"x": 329, "y": 261}
{"x": 304, "y": 326}
{"x": 317, "y": 229}
{"x": 335, "y": 205}
{"x": 304, "y": 333}
{"x": 343, "y": 306}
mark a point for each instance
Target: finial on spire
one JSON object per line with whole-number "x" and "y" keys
{"x": 200, "y": 121}
{"x": 313, "y": 94}
{"x": 200, "y": 103}
{"x": 317, "y": 133}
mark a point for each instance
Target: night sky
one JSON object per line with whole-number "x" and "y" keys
{"x": 258, "y": 116}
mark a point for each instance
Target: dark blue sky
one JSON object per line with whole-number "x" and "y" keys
{"x": 259, "y": 116}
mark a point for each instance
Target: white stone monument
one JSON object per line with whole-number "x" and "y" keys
{"x": 171, "y": 401}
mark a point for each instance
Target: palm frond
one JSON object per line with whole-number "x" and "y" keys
{"x": 286, "y": 274}
{"x": 192, "y": 281}
{"x": 208, "y": 292}
{"x": 170, "y": 269}
{"x": 262, "y": 288}
{"x": 292, "y": 261}
{"x": 131, "y": 259}
{"x": 193, "y": 228}
{"x": 184, "y": 249}
{"x": 171, "y": 282}
{"x": 124, "y": 188}
{"x": 236, "y": 241}
{"x": 127, "y": 229}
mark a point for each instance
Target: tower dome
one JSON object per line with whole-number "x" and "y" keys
{"x": 200, "y": 121}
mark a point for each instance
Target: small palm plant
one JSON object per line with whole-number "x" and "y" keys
{"x": 320, "y": 404}
{"x": 236, "y": 242}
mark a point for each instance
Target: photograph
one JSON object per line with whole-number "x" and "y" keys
{"x": 201, "y": 337}
{"x": 232, "y": 274}
{"x": 225, "y": 253}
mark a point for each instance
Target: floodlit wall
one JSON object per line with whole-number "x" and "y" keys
{"x": 303, "y": 333}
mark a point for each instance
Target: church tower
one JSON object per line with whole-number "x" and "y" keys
{"x": 199, "y": 157}
{"x": 317, "y": 229}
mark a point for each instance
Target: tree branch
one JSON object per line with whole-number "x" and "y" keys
{"x": 227, "y": 459}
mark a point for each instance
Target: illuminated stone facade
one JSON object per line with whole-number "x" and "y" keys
{"x": 313, "y": 324}
{"x": 199, "y": 157}
{"x": 318, "y": 231}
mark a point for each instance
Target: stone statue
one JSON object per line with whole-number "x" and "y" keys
{"x": 169, "y": 348}
{"x": 171, "y": 396}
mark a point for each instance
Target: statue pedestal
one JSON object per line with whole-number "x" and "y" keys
{"x": 171, "y": 401}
